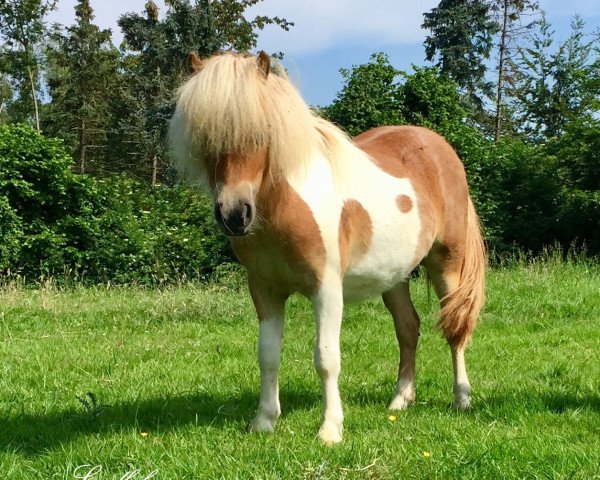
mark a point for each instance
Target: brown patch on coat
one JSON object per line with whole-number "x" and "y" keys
{"x": 268, "y": 302}
{"x": 355, "y": 234}
{"x": 437, "y": 175}
{"x": 404, "y": 203}
{"x": 285, "y": 249}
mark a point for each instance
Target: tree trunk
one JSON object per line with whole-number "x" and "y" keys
{"x": 34, "y": 99}
{"x": 154, "y": 169}
{"x": 82, "y": 146}
{"x": 501, "y": 72}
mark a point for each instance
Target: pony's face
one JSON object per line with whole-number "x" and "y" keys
{"x": 235, "y": 184}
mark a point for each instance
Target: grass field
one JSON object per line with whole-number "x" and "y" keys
{"x": 174, "y": 383}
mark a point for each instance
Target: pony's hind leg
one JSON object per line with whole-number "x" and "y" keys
{"x": 270, "y": 308}
{"x": 444, "y": 270}
{"x": 407, "y": 323}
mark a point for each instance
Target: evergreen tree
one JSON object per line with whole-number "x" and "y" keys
{"x": 459, "y": 43}
{"x": 82, "y": 78}
{"x": 239, "y": 33}
{"x": 557, "y": 86}
{"x": 21, "y": 32}
{"x": 510, "y": 18}
{"x": 155, "y": 66}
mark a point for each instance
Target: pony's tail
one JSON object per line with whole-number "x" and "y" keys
{"x": 460, "y": 309}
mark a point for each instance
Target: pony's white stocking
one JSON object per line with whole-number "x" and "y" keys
{"x": 269, "y": 354}
{"x": 329, "y": 306}
{"x": 462, "y": 387}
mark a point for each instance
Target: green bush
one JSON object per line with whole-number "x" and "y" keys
{"x": 49, "y": 208}
{"x": 527, "y": 193}
{"x": 577, "y": 155}
{"x": 55, "y": 223}
{"x": 10, "y": 234}
{"x": 369, "y": 97}
{"x": 156, "y": 235}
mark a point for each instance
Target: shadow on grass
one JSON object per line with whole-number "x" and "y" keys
{"x": 565, "y": 401}
{"x": 531, "y": 401}
{"x": 33, "y": 434}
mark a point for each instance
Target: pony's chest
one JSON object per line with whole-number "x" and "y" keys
{"x": 288, "y": 251}
{"x": 288, "y": 263}
{"x": 367, "y": 233}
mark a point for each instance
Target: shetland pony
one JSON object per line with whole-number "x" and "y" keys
{"x": 309, "y": 210}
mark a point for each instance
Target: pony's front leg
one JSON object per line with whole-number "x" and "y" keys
{"x": 270, "y": 308}
{"x": 329, "y": 306}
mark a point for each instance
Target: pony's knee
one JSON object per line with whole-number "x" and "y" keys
{"x": 327, "y": 361}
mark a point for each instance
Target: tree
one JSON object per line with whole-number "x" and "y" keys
{"x": 6, "y": 94}
{"x": 556, "y": 87}
{"x": 21, "y": 30}
{"x": 460, "y": 40}
{"x": 156, "y": 65}
{"x": 369, "y": 96}
{"x": 431, "y": 99}
{"x": 82, "y": 78}
{"x": 238, "y": 32}
{"x": 509, "y": 15}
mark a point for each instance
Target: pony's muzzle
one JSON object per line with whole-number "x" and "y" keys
{"x": 234, "y": 220}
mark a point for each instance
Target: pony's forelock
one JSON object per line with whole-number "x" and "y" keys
{"x": 230, "y": 106}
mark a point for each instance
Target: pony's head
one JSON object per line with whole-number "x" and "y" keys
{"x": 239, "y": 124}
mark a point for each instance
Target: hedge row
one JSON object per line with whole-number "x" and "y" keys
{"x": 55, "y": 223}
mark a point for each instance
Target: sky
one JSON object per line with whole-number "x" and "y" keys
{"x": 333, "y": 34}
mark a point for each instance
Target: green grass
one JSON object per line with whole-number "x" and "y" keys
{"x": 175, "y": 382}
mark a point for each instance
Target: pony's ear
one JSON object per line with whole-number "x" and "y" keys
{"x": 264, "y": 63}
{"x": 194, "y": 62}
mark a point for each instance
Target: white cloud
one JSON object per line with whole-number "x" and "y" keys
{"x": 319, "y": 24}
{"x": 322, "y": 24}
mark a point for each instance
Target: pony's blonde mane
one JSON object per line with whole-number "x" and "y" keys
{"x": 230, "y": 106}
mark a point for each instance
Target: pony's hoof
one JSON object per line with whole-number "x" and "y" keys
{"x": 462, "y": 403}
{"x": 401, "y": 402}
{"x": 262, "y": 424}
{"x": 462, "y": 396}
{"x": 330, "y": 433}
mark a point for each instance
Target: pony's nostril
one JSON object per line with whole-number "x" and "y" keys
{"x": 246, "y": 214}
{"x": 234, "y": 219}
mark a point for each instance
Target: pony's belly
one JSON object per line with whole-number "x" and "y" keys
{"x": 392, "y": 253}
{"x": 362, "y": 283}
